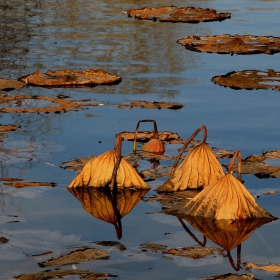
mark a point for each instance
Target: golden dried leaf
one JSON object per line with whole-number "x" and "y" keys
{"x": 98, "y": 203}
{"x": 77, "y": 257}
{"x": 10, "y": 84}
{"x": 226, "y": 199}
{"x": 268, "y": 268}
{"x": 223, "y": 44}
{"x": 178, "y": 14}
{"x": 152, "y": 105}
{"x": 249, "y": 79}
{"x": 8, "y": 127}
{"x": 91, "y": 77}
{"x": 230, "y": 276}
{"x": 154, "y": 146}
{"x": 199, "y": 169}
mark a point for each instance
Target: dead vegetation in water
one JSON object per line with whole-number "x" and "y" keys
{"x": 267, "y": 268}
{"x": 151, "y": 105}
{"x": 178, "y": 14}
{"x": 229, "y": 276}
{"x": 70, "y": 78}
{"x": 232, "y": 44}
{"x": 8, "y": 127}
{"x": 29, "y": 104}
{"x": 249, "y": 79}
{"x": 7, "y": 85}
{"x": 21, "y": 184}
{"x": 60, "y": 274}
{"x": 153, "y": 247}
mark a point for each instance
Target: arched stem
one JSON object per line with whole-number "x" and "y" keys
{"x": 188, "y": 142}
{"x": 237, "y": 268}
{"x": 236, "y": 154}
{"x": 155, "y": 132}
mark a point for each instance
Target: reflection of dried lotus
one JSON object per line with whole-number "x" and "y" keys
{"x": 199, "y": 169}
{"x": 91, "y": 77}
{"x": 223, "y": 44}
{"x": 154, "y": 145}
{"x": 226, "y": 233}
{"x": 225, "y": 199}
{"x": 178, "y": 14}
{"x": 249, "y": 79}
{"x": 99, "y": 172}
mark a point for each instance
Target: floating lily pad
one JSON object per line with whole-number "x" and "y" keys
{"x": 230, "y": 276}
{"x": 48, "y": 274}
{"x": 33, "y": 104}
{"x": 21, "y": 184}
{"x": 62, "y": 78}
{"x": 194, "y": 252}
{"x": 249, "y": 79}
{"x": 268, "y": 268}
{"x": 224, "y": 44}
{"x": 144, "y": 136}
{"x": 152, "y": 105}
{"x": 10, "y": 84}
{"x": 77, "y": 257}
{"x": 8, "y": 127}
{"x": 178, "y": 14}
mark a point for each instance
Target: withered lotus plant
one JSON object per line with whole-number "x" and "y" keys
{"x": 226, "y": 199}
{"x": 111, "y": 170}
{"x": 199, "y": 169}
{"x": 154, "y": 145}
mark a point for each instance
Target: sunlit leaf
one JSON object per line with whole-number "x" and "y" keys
{"x": 10, "y": 84}
{"x": 152, "y": 105}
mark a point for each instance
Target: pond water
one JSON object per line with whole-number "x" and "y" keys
{"x": 79, "y": 35}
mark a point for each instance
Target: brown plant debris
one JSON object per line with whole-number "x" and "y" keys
{"x": 59, "y": 274}
{"x": 229, "y": 276}
{"x": 3, "y": 240}
{"x": 62, "y": 78}
{"x": 268, "y": 268}
{"x": 10, "y": 84}
{"x": 8, "y": 127}
{"x": 77, "y": 257}
{"x": 193, "y": 252}
{"x": 23, "y": 105}
{"x": 145, "y": 136}
{"x": 229, "y": 44}
{"x": 119, "y": 245}
{"x": 178, "y": 14}
{"x": 76, "y": 163}
{"x": 22, "y": 184}
{"x": 42, "y": 254}
{"x": 249, "y": 79}
{"x": 153, "y": 247}
{"x": 152, "y": 105}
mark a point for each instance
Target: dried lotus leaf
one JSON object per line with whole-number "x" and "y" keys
{"x": 225, "y": 199}
{"x": 229, "y": 44}
{"x": 199, "y": 169}
{"x": 178, "y": 14}
{"x": 59, "y": 78}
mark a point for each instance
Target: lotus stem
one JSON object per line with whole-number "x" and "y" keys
{"x": 237, "y": 153}
{"x": 118, "y": 146}
{"x": 187, "y": 143}
{"x": 237, "y": 268}
{"x": 155, "y": 132}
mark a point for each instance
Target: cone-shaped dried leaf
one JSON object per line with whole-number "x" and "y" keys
{"x": 226, "y": 199}
{"x": 99, "y": 204}
{"x": 226, "y": 233}
{"x": 199, "y": 169}
{"x": 154, "y": 146}
{"x": 98, "y": 173}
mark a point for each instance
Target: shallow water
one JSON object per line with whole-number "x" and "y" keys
{"x": 42, "y": 35}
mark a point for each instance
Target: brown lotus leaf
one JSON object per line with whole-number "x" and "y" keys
{"x": 152, "y": 105}
{"x": 62, "y": 105}
{"x": 10, "y": 84}
{"x": 77, "y": 257}
{"x": 143, "y": 136}
{"x": 249, "y": 79}
{"x": 193, "y": 252}
{"x": 225, "y": 199}
{"x": 8, "y": 127}
{"x": 59, "y": 78}
{"x": 224, "y": 44}
{"x": 178, "y": 14}
{"x": 98, "y": 203}
{"x": 268, "y": 268}
{"x": 226, "y": 233}
{"x": 21, "y": 184}
{"x": 199, "y": 169}
{"x": 230, "y": 276}
{"x": 153, "y": 247}
{"x": 154, "y": 146}
{"x": 59, "y": 273}
{"x": 107, "y": 170}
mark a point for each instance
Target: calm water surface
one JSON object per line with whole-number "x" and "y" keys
{"x": 78, "y": 35}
